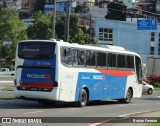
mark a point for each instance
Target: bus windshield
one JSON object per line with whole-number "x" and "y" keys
{"x": 36, "y": 50}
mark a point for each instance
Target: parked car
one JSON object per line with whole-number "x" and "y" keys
{"x": 147, "y": 88}
{"x": 6, "y": 71}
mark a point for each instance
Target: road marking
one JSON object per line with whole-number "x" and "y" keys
{"x": 126, "y": 105}
{"x": 96, "y": 124}
{"x": 133, "y": 113}
{"x": 26, "y": 113}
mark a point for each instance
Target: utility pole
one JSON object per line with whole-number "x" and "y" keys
{"x": 54, "y": 20}
{"x": 90, "y": 22}
{"x": 68, "y": 11}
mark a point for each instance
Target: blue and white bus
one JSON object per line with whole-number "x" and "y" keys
{"x": 60, "y": 71}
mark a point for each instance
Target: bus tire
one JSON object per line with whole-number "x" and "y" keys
{"x": 128, "y": 97}
{"x": 83, "y": 98}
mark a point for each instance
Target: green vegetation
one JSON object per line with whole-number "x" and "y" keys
{"x": 116, "y": 11}
{"x": 13, "y": 29}
{"x": 154, "y": 124}
{"x": 9, "y": 88}
{"x": 157, "y": 89}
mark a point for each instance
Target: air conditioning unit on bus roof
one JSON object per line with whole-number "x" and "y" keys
{"x": 112, "y": 47}
{"x": 108, "y": 46}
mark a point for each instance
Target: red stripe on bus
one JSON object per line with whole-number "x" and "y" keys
{"x": 118, "y": 73}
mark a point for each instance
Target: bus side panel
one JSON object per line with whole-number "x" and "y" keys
{"x": 114, "y": 87}
{"x": 137, "y": 88}
{"x": 101, "y": 86}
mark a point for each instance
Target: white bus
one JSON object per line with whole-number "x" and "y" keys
{"x": 60, "y": 71}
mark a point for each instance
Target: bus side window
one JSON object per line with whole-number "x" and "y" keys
{"x": 74, "y": 57}
{"x": 114, "y": 60}
{"x": 121, "y": 61}
{"x": 101, "y": 59}
{"x": 66, "y": 56}
{"x": 109, "y": 63}
{"x": 130, "y": 62}
{"x": 93, "y": 58}
{"x": 88, "y": 59}
{"x": 81, "y": 57}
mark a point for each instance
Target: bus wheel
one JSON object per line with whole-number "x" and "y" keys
{"x": 83, "y": 98}
{"x": 127, "y": 99}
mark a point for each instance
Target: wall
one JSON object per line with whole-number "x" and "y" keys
{"x": 126, "y": 35}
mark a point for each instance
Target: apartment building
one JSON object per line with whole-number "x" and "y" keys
{"x": 15, "y": 4}
{"x": 28, "y": 5}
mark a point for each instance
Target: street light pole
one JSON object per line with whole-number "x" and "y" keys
{"x": 54, "y": 20}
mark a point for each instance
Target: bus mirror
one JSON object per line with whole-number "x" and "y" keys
{"x": 144, "y": 70}
{"x": 140, "y": 74}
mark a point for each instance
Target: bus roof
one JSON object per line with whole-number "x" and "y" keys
{"x": 100, "y": 47}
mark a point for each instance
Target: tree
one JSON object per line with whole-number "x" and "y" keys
{"x": 116, "y": 11}
{"x": 41, "y": 27}
{"x": 11, "y": 27}
{"x": 60, "y": 26}
{"x": 81, "y": 9}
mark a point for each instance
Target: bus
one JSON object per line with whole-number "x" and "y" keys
{"x": 51, "y": 70}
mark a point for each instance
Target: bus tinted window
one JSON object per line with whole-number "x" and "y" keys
{"x": 93, "y": 58}
{"x": 101, "y": 59}
{"x": 66, "y": 56}
{"x": 130, "y": 61}
{"x": 81, "y": 57}
{"x": 112, "y": 60}
{"x": 74, "y": 56}
{"x": 88, "y": 61}
{"x": 121, "y": 61}
{"x": 36, "y": 50}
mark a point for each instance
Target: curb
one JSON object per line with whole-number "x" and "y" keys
{"x": 6, "y": 81}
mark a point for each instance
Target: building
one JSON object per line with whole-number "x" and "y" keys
{"x": 158, "y": 6}
{"x": 28, "y": 5}
{"x": 88, "y": 3}
{"x": 14, "y": 4}
{"x": 28, "y": 21}
{"x": 125, "y": 34}
{"x": 60, "y": 7}
{"x": 128, "y": 3}
{"x": 148, "y": 5}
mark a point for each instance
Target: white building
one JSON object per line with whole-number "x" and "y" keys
{"x": 28, "y": 21}
{"x": 14, "y": 4}
{"x": 158, "y": 6}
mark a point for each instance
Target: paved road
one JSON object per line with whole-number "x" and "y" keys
{"x": 22, "y": 108}
{"x": 111, "y": 109}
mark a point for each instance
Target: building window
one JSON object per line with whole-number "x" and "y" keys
{"x": 152, "y": 43}
{"x": 152, "y": 36}
{"x": 105, "y": 34}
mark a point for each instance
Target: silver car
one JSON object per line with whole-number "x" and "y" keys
{"x": 147, "y": 88}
